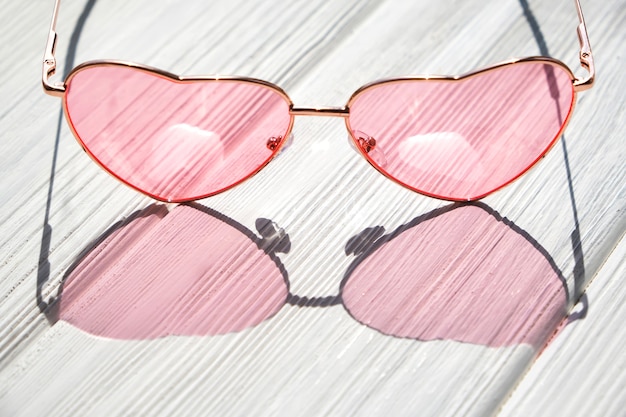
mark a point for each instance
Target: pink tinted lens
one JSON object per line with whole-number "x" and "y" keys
{"x": 463, "y": 139}
{"x": 175, "y": 140}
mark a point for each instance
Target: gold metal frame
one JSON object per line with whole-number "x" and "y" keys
{"x": 58, "y": 89}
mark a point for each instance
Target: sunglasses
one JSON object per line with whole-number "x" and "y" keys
{"x": 179, "y": 138}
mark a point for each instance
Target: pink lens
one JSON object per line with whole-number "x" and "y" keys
{"x": 463, "y": 139}
{"x": 175, "y": 140}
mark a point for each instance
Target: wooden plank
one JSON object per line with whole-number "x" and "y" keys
{"x": 583, "y": 371}
{"x": 562, "y": 220}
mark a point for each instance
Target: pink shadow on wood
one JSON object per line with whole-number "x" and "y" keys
{"x": 459, "y": 273}
{"x": 463, "y": 274}
{"x": 187, "y": 272}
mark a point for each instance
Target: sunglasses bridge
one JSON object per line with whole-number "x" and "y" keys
{"x": 320, "y": 111}
{"x": 364, "y": 141}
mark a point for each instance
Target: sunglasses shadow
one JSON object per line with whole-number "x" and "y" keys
{"x": 188, "y": 271}
{"x": 43, "y": 266}
{"x": 579, "y": 258}
{"x": 461, "y": 272}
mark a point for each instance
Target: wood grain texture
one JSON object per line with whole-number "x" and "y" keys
{"x": 583, "y": 372}
{"x": 311, "y": 357}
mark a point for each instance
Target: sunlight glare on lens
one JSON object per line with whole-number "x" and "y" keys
{"x": 430, "y": 151}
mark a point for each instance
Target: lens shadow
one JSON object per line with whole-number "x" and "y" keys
{"x": 189, "y": 271}
{"x": 460, "y": 273}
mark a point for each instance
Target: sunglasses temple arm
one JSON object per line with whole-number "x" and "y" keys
{"x": 49, "y": 60}
{"x": 585, "y": 55}
{"x": 58, "y": 89}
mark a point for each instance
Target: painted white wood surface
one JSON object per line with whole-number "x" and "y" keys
{"x": 582, "y": 372}
{"x": 302, "y": 361}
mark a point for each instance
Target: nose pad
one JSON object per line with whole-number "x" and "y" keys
{"x": 368, "y": 145}
{"x": 276, "y": 141}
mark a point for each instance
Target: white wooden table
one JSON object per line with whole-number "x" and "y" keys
{"x": 100, "y": 316}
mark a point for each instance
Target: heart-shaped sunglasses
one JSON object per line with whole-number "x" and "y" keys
{"x": 179, "y": 139}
